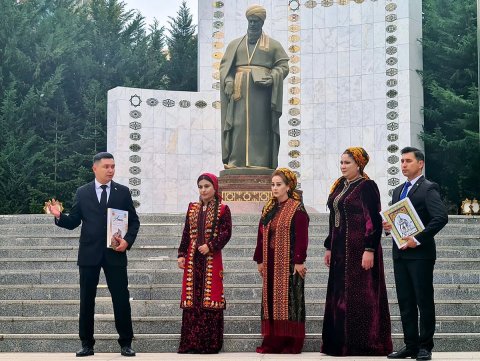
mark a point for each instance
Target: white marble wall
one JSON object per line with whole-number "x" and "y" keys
{"x": 343, "y": 99}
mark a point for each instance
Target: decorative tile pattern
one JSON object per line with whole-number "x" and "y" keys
{"x": 184, "y": 103}
{"x": 135, "y": 147}
{"x": 168, "y": 103}
{"x": 135, "y": 136}
{"x": 135, "y": 125}
{"x": 135, "y": 192}
{"x": 152, "y": 102}
{"x": 135, "y": 181}
{"x": 135, "y": 114}
{"x": 135, "y": 158}
{"x": 392, "y": 82}
{"x": 294, "y": 85}
{"x": 201, "y": 104}
{"x": 135, "y": 100}
{"x": 134, "y": 170}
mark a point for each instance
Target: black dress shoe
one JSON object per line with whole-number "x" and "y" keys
{"x": 127, "y": 351}
{"x": 424, "y": 354}
{"x": 403, "y": 353}
{"x": 85, "y": 351}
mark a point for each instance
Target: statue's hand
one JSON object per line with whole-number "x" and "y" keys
{"x": 229, "y": 89}
{"x": 266, "y": 81}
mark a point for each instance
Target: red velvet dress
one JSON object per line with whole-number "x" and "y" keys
{"x": 357, "y": 317}
{"x": 202, "y": 328}
{"x": 285, "y": 336}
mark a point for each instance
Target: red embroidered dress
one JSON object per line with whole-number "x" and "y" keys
{"x": 202, "y": 299}
{"x": 281, "y": 244}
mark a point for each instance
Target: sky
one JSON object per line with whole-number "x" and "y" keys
{"x": 161, "y": 9}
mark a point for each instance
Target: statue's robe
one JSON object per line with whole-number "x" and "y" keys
{"x": 250, "y": 129}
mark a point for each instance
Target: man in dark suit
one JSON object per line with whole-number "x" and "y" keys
{"x": 90, "y": 208}
{"x": 413, "y": 264}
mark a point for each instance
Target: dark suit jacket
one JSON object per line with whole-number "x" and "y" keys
{"x": 425, "y": 197}
{"x": 93, "y": 237}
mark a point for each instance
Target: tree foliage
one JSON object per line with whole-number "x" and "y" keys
{"x": 450, "y": 78}
{"x": 58, "y": 60}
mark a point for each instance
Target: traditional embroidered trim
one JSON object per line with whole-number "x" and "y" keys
{"x": 281, "y": 261}
{"x": 207, "y": 301}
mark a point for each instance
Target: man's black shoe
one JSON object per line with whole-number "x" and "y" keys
{"x": 403, "y": 353}
{"x": 85, "y": 351}
{"x": 424, "y": 354}
{"x": 127, "y": 351}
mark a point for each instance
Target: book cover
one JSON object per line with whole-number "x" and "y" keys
{"x": 404, "y": 220}
{"x": 117, "y": 225}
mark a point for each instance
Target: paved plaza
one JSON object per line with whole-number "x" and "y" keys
{"x": 437, "y": 356}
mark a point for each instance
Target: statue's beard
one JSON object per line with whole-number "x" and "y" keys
{"x": 254, "y": 35}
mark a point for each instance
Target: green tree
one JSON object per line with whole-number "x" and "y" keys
{"x": 182, "y": 51}
{"x": 451, "y": 131}
{"x": 59, "y": 60}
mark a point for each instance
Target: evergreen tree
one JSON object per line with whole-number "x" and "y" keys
{"x": 450, "y": 78}
{"x": 182, "y": 51}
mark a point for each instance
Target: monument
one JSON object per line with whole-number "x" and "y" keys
{"x": 352, "y": 81}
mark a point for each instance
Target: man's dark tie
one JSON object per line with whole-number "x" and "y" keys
{"x": 405, "y": 190}
{"x": 103, "y": 197}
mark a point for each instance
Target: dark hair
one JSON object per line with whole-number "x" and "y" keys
{"x": 417, "y": 152}
{"x": 102, "y": 155}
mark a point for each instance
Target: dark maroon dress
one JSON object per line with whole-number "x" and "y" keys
{"x": 202, "y": 329}
{"x": 357, "y": 317}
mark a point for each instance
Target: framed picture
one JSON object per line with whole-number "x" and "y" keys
{"x": 404, "y": 220}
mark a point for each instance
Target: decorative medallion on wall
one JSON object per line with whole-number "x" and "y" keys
{"x": 168, "y": 103}
{"x": 135, "y": 170}
{"x": 201, "y": 104}
{"x": 135, "y": 158}
{"x": 393, "y": 159}
{"x": 135, "y": 147}
{"x": 152, "y": 102}
{"x": 294, "y": 132}
{"x": 136, "y": 203}
{"x": 135, "y": 114}
{"x": 294, "y": 81}
{"x": 294, "y": 122}
{"x": 310, "y": 4}
{"x": 135, "y": 192}
{"x": 294, "y": 153}
{"x": 135, "y": 181}
{"x": 135, "y": 125}
{"x": 218, "y": 48}
{"x": 392, "y": 82}
{"x": 184, "y": 103}
{"x": 135, "y": 100}
{"x": 393, "y": 182}
{"x": 135, "y": 136}
{"x": 294, "y": 164}
{"x": 393, "y": 170}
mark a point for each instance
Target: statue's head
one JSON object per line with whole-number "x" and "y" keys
{"x": 256, "y": 15}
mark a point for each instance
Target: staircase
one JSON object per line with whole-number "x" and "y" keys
{"x": 39, "y": 289}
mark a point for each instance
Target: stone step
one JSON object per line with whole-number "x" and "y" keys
{"x": 245, "y": 276}
{"x": 172, "y": 324}
{"x": 170, "y": 229}
{"x": 232, "y": 291}
{"x": 444, "y": 342}
{"x": 180, "y": 218}
{"x": 230, "y": 263}
{"x": 151, "y": 308}
{"x": 71, "y": 240}
{"x": 231, "y": 250}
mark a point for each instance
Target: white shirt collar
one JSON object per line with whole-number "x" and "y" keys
{"x": 414, "y": 180}
{"x": 98, "y": 184}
